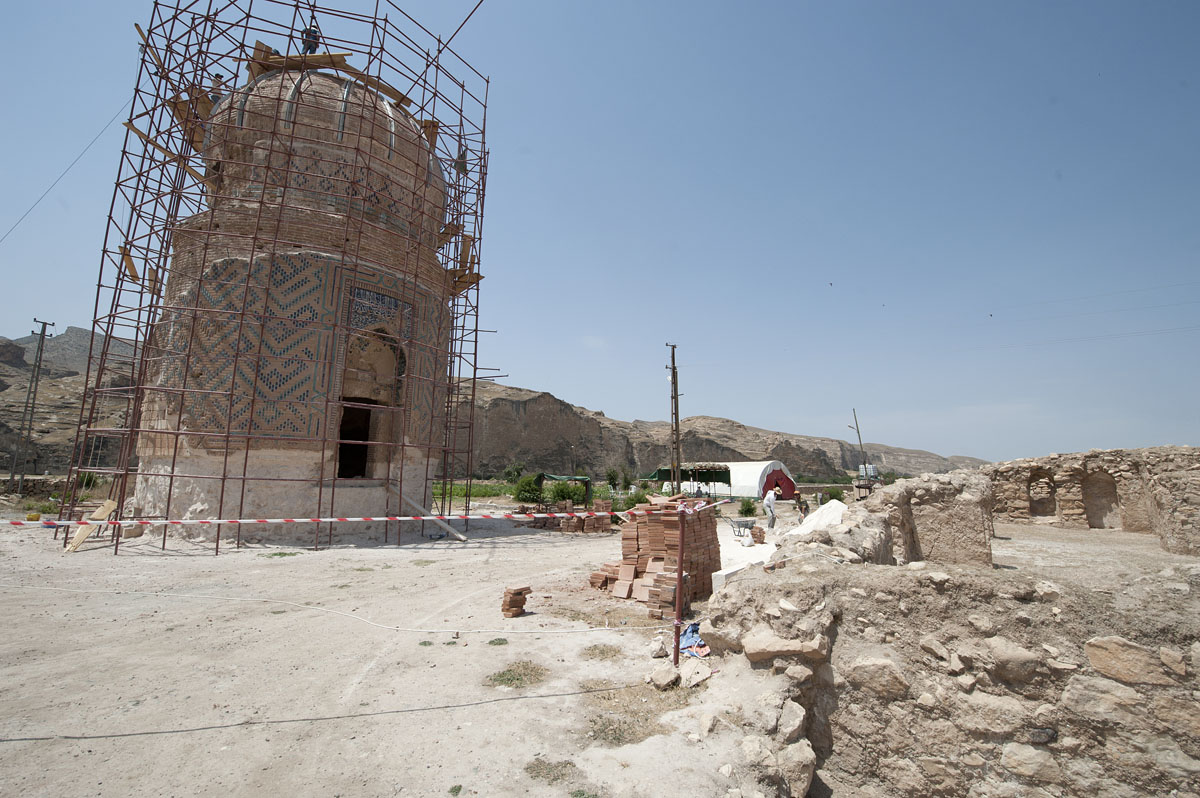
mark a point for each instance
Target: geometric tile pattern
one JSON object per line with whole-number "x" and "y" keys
{"x": 277, "y": 374}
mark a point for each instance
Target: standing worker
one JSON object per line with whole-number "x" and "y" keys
{"x": 311, "y": 36}
{"x": 769, "y": 505}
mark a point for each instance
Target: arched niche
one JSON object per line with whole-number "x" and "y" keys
{"x": 1100, "y": 502}
{"x": 1042, "y": 493}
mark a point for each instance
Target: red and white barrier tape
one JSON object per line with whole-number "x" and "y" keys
{"x": 351, "y": 519}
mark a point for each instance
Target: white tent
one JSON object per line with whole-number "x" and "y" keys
{"x": 751, "y": 479}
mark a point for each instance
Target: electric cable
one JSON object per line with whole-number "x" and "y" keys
{"x": 64, "y": 172}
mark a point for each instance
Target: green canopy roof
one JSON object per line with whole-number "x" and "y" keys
{"x": 692, "y": 472}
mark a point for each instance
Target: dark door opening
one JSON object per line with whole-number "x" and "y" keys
{"x": 356, "y": 426}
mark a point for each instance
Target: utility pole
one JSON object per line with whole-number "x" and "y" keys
{"x": 676, "y": 467}
{"x": 25, "y": 430}
{"x": 676, "y": 453}
{"x": 861, "y": 451}
{"x": 864, "y": 482}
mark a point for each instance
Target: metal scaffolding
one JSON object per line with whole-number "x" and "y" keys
{"x": 276, "y": 152}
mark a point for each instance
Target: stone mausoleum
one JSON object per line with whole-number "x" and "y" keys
{"x": 300, "y": 363}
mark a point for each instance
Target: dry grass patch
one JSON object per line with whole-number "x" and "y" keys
{"x": 624, "y": 615}
{"x": 551, "y": 772}
{"x": 522, "y": 673}
{"x": 601, "y": 651}
{"x": 623, "y": 715}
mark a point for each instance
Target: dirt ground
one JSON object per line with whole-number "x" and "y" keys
{"x": 283, "y": 670}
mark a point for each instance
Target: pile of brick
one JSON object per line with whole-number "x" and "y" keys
{"x": 536, "y": 523}
{"x": 649, "y": 562}
{"x": 513, "y": 603}
{"x": 600, "y": 523}
{"x": 758, "y": 534}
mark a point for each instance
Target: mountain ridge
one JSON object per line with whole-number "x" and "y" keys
{"x": 512, "y": 424}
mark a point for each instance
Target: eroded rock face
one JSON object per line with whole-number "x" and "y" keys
{"x": 12, "y": 354}
{"x": 1155, "y": 490}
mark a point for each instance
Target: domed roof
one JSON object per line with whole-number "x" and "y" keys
{"x": 316, "y": 140}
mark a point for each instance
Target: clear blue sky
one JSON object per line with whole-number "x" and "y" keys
{"x": 1004, "y": 196}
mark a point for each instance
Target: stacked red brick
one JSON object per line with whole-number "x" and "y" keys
{"x": 649, "y": 556}
{"x": 513, "y": 603}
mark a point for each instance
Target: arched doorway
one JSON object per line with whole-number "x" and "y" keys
{"x": 1100, "y": 501}
{"x": 372, "y": 385}
{"x": 1042, "y": 494}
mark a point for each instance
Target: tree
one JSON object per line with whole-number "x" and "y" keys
{"x": 528, "y": 490}
{"x": 513, "y": 471}
{"x": 626, "y": 479}
{"x": 612, "y": 478}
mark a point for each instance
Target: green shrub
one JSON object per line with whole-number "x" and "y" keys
{"x": 747, "y": 508}
{"x": 836, "y": 493}
{"x": 638, "y": 497}
{"x": 568, "y": 491}
{"x": 513, "y": 472}
{"x": 527, "y": 490}
{"x": 626, "y": 479}
{"x": 612, "y": 477}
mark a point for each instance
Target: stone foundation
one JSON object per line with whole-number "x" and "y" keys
{"x": 291, "y": 488}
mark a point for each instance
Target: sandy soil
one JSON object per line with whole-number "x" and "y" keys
{"x": 237, "y": 677}
{"x": 274, "y": 670}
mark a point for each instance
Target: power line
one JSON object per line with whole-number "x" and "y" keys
{"x": 64, "y": 172}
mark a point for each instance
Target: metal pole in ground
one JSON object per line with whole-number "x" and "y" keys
{"x": 676, "y": 449}
{"x": 25, "y": 429}
{"x": 679, "y": 514}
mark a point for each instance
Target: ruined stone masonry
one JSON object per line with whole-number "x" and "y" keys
{"x": 1154, "y": 490}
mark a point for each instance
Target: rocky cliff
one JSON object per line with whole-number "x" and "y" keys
{"x": 544, "y": 432}
{"x": 511, "y": 425}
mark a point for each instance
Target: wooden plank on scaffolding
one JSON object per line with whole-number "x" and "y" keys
{"x": 464, "y": 252}
{"x": 150, "y": 49}
{"x": 466, "y": 281}
{"x": 449, "y": 231}
{"x": 174, "y": 156}
{"x": 377, "y": 84}
{"x": 268, "y": 61}
{"x": 261, "y": 52}
{"x": 263, "y": 59}
{"x": 430, "y": 128}
{"x": 130, "y": 268}
{"x": 191, "y": 110}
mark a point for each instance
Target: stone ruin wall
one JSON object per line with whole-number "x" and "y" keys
{"x": 940, "y": 517}
{"x": 1154, "y": 490}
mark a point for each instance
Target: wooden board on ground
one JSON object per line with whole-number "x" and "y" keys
{"x": 80, "y": 536}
